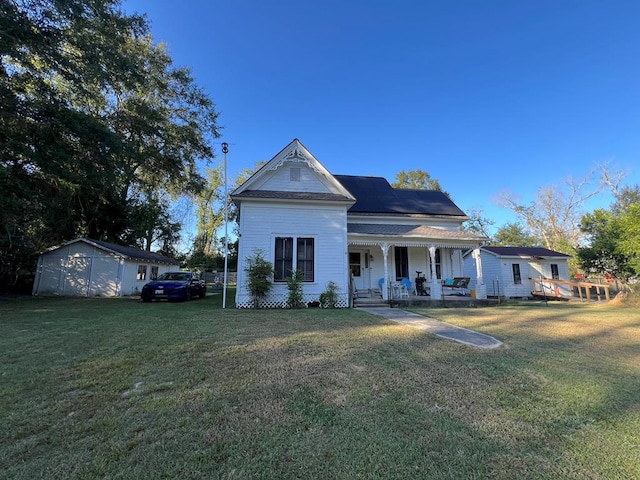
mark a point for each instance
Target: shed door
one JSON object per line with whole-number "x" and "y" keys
{"x": 77, "y": 277}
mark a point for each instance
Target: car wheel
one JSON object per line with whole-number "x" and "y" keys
{"x": 146, "y": 300}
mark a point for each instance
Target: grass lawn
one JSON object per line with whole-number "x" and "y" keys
{"x": 114, "y": 388}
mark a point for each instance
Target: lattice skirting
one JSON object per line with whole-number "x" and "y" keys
{"x": 280, "y": 301}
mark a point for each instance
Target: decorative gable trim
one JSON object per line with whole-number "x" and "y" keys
{"x": 295, "y": 152}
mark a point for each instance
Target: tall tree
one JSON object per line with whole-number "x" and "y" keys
{"x": 208, "y": 244}
{"x": 554, "y": 215}
{"x": 478, "y": 223}
{"x": 514, "y": 235}
{"x": 92, "y": 113}
{"x": 418, "y": 180}
{"x": 612, "y": 244}
{"x": 603, "y": 253}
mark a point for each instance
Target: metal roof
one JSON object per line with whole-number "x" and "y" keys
{"x": 418, "y": 231}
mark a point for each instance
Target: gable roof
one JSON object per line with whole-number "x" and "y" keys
{"x": 294, "y": 152}
{"x": 376, "y": 195}
{"x": 533, "y": 252}
{"x": 128, "y": 252}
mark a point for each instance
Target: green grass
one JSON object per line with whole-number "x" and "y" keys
{"x": 114, "y": 388}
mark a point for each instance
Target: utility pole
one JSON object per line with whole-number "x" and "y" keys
{"x": 225, "y": 150}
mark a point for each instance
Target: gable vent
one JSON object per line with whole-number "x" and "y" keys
{"x": 294, "y": 174}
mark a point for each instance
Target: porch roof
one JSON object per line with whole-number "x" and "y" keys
{"x": 421, "y": 232}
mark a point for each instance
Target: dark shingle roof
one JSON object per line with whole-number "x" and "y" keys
{"x": 133, "y": 252}
{"x": 376, "y": 195}
{"x": 524, "y": 252}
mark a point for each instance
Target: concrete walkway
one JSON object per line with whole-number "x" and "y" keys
{"x": 441, "y": 329}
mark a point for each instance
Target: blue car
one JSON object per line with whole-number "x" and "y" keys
{"x": 174, "y": 286}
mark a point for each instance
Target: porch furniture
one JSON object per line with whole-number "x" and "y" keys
{"x": 420, "y": 284}
{"x": 399, "y": 290}
{"x": 407, "y": 283}
{"x": 457, "y": 284}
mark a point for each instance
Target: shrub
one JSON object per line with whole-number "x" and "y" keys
{"x": 259, "y": 272}
{"x": 329, "y": 298}
{"x": 294, "y": 285}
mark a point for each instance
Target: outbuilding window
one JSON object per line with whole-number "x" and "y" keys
{"x": 154, "y": 272}
{"x": 142, "y": 272}
{"x": 517, "y": 279}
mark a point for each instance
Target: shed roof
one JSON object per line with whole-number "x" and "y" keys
{"x": 524, "y": 252}
{"x": 129, "y": 252}
{"x": 376, "y": 195}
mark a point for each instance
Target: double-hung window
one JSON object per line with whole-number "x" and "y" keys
{"x": 517, "y": 279}
{"x": 291, "y": 251}
{"x": 554, "y": 271}
{"x": 142, "y": 272}
{"x": 402, "y": 262}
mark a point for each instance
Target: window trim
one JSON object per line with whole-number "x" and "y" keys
{"x": 555, "y": 272}
{"x": 306, "y": 261}
{"x": 517, "y": 275}
{"x": 288, "y": 261}
{"x": 142, "y": 275}
{"x": 352, "y": 265}
{"x": 401, "y": 260}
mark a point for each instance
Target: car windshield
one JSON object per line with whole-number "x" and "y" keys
{"x": 175, "y": 276}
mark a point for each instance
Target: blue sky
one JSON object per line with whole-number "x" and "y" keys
{"x": 486, "y": 96}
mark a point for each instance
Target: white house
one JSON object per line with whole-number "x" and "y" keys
{"x": 356, "y": 231}
{"x": 511, "y": 271}
{"x": 87, "y": 268}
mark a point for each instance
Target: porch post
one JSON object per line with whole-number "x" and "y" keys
{"x": 385, "y": 286}
{"x": 481, "y": 288}
{"x": 436, "y": 286}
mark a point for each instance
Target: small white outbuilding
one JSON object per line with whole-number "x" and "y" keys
{"x": 511, "y": 271}
{"x": 92, "y": 268}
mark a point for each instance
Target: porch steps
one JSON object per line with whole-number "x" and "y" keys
{"x": 373, "y": 301}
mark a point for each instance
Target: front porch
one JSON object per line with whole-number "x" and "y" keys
{"x": 400, "y": 270}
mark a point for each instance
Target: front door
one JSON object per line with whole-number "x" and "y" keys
{"x": 360, "y": 269}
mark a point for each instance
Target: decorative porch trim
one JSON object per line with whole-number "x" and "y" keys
{"x": 402, "y": 243}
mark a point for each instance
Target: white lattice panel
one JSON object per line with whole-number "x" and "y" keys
{"x": 280, "y": 301}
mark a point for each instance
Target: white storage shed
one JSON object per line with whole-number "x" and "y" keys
{"x": 92, "y": 268}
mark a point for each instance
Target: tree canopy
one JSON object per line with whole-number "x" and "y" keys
{"x": 514, "y": 235}
{"x": 98, "y": 129}
{"x": 613, "y": 237}
{"x": 418, "y": 180}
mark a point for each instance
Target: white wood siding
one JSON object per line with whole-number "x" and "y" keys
{"x": 498, "y": 273}
{"x": 280, "y": 180}
{"x": 261, "y": 224}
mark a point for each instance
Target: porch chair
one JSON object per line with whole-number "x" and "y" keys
{"x": 407, "y": 284}
{"x": 399, "y": 290}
